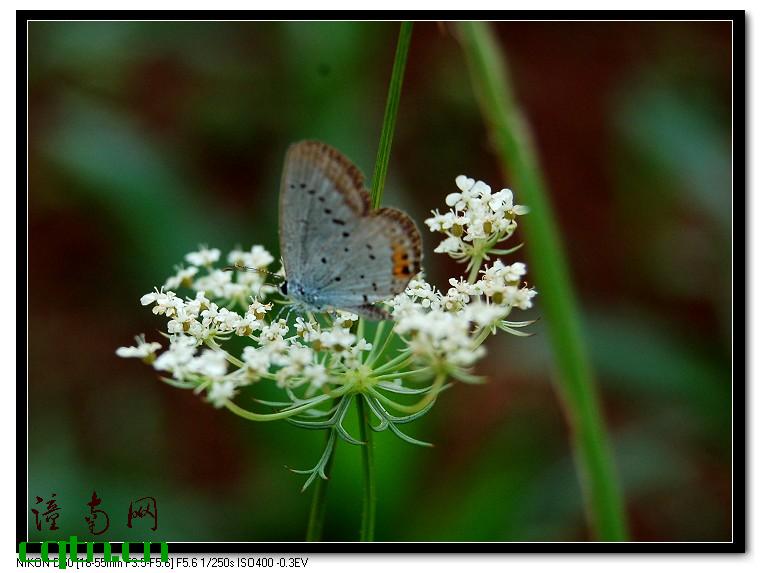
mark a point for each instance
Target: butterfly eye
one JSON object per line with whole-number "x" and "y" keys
{"x": 284, "y": 288}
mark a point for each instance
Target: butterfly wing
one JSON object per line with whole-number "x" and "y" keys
{"x": 319, "y": 185}
{"x": 338, "y": 252}
{"x": 377, "y": 260}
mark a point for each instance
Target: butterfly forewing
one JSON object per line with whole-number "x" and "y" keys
{"x": 319, "y": 185}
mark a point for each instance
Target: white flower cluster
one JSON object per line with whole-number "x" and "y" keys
{"x": 323, "y": 359}
{"x": 477, "y": 220}
{"x": 447, "y": 329}
{"x": 224, "y": 284}
{"x": 312, "y": 355}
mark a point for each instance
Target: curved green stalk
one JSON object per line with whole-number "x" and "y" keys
{"x": 283, "y": 414}
{"x": 577, "y": 391}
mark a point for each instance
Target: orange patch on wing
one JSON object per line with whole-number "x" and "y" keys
{"x": 401, "y": 260}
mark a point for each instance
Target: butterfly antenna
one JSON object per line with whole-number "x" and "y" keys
{"x": 280, "y": 278}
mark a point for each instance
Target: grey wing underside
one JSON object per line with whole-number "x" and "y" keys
{"x": 314, "y": 177}
{"x": 330, "y": 242}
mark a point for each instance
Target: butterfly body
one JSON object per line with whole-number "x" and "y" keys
{"x": 338, "y": 253}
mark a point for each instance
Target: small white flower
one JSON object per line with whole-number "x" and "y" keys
{"x": 449, "y": 245}
{"x": 211, "y": 363}
{"x": 441, "y": 222}
{"x": 215, "y": 283}
{"x": 236, "y": 291}
{"x": 452, "y": 199}
{"x": 166, "y": 303}
{"x": 274, "y": 331}
{"x": 180, "y": 324}
{"x": 194, "y": 307}
{"x": 183, "y": 278}
{"x": 143, "y": 349}
{"x": 257, "y": 361}
{"x": 345, "y": 319}
{"x": 203, "y": 257}
{"x": 315, "y": 374}
{"x": 259, "y": 309}
{"x": 464, "y": 183}
{"x": 220, "y": 392}
{"x": 337, "y": 338}
{"x": 227, "y": 320}
{"x": 256, "y": 258}
{"x": 300, "y": 356}
{"x": 514, "y": 272}
{"x": 484, "y": 314}
{"x": 501, "y": 200}
{"x": 521, "y": 297}
{"x": 309, "y": 331}
{"x": 175, "y": 360}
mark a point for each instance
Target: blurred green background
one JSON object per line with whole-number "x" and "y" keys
{"x": 149, "y": 138}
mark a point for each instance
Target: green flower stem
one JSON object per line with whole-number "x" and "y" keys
{"x": 389, "y": 118}
{"x": 482, "y": 336}
{"x": 320, "y": 496}
{"x": 476, "y": 266}
{"x": 395, "y": 364}
{"x": 406, "y": 374}
{"x": 436, "y": 387}
{"x": 282, "y": 415}
{"x": 367, "y": 529}
{"x": 229, "y": 357}
{"x": 514, "y": 147}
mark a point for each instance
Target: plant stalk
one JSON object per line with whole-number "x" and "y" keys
{"x": 320, "y": 499}
{"x": 389, "y": 117}
{"x": 513, "y": 143}
{"x": 367, "y": 528}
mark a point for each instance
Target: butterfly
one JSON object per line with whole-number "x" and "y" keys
{"x": 337, "y": 252}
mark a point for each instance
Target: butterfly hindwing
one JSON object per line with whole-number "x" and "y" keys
{"x": 379, "y": 259}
